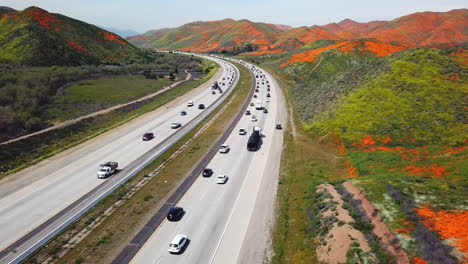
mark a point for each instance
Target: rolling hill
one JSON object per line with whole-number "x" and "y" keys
{"x": 35, "y": 37}
{"x": 424, "y": 29}
{"x": 227, "y": 34}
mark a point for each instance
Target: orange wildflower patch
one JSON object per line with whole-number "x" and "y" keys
{"x": 76, "y": 46}
{"x": 382, "y": 49}
{"x": 339, "y": 144}
{"x": 43, "y": 18}
{"x": 310, "y": 55}
{"x": 419, "y": 261}
{"x": 366, "y": 142}
{"x": 449, "y": 225}
{"x": 255, "y": 53}
{"x": 112, "y": 37}
{"x": 433, "y": 170}
{"x": 408, "y": 227}
{"x": 352, "y": 172}
{"x": 349, "y": 47}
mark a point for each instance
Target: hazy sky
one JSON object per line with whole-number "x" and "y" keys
{"x": 143, "y": 15}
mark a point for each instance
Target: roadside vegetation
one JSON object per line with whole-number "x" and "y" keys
{"x": 23, "y": 153}
{"x": 397, "y": 125}
{"x": 33, "y": 98}
{"x": 101, "y": 247}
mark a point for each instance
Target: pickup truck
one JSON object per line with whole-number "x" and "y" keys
{"x": 107, "y": 169}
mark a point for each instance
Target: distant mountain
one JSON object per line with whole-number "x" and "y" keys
{"x": 36, "y": 37}
{"x": 423, "y": 29}
{"x": 298, "y": 37}
{"x": 418, "y": 29}
{"x": 124, "y": 33}
{"x": 283, "y": 27}
{"x": 218, "y": 35}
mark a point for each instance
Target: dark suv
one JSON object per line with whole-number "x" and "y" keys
{"x": 207, "y": 172}
{"x": 148, "y": 136}
{"x": 175, "y": 214}
{"x": 201, "y": 106}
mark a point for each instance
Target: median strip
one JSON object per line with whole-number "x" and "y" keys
{"x": 105, "y": 242}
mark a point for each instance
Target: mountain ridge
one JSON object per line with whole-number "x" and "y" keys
{"x": 421, "y": 29}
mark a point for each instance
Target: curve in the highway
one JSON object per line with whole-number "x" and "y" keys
{"x": 218, "y": 216}
{"x": 145, "y": 233}
{"x": 32, "y": 203}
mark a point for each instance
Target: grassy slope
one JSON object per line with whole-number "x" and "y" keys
{"x": 35, "y": 37}
{"x": 401, "y": 120}
{"x": 89, "y": 96}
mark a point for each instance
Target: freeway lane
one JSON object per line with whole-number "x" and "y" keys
{"x": 217, "y": 216}
{"x": 57, "y": 184}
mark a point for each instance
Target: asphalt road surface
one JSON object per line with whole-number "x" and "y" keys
{"x": 35, "y": 195}
{"x": 219, "y": 216}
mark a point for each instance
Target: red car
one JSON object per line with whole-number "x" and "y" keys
{"x": 148, "y": 136}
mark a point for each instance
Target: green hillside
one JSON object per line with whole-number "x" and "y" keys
{"x": 35, "y": 37}
{"x": 398, "y": 125}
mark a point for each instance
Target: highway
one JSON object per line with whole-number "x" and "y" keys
{"x": 36, "y": 195}
{"x": 218, "y": 217}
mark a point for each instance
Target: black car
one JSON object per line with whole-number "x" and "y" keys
{"x": 182, "y": 113}
{"x": 175, "y": 214}
{"x": 207, "y": 172}
{"x": 201, "y": 106}
{"x": 247, "y": 112}
{"x": 256, "y": 90}
{"x": 268, "y": 95}
{"x": 265, "y": 110}
{"x": 278, "y": 126}
{"x": 148, "y": 136}
{"x": 251, "y": 104}
{"x": 254, "y": 96}
{"x": 213, "y": 92}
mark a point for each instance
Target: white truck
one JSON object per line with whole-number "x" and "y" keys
{"x": 258, "y": 105}
{"x": 107, "y": 169}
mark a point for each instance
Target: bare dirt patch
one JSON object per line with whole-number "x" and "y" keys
{"x": 381, "y": 230}
{"x": 341, "y": 236}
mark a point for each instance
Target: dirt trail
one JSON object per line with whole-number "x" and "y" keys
{"x": 340, "y": 237}
{"x": 100, "y": 112}
{"x": 381, "y": 230}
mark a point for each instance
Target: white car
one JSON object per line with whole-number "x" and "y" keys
{"x": 190, "y": 103}
{"x": 242, "y": 131}
{"x": 224, "y": 148}
{"x": 253, "y": 118}
{"x": 177, "y": 243}
{"x": 221, "y": 179}
{"x": 267, "y": 100}
{"x": 175, "y": 125}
